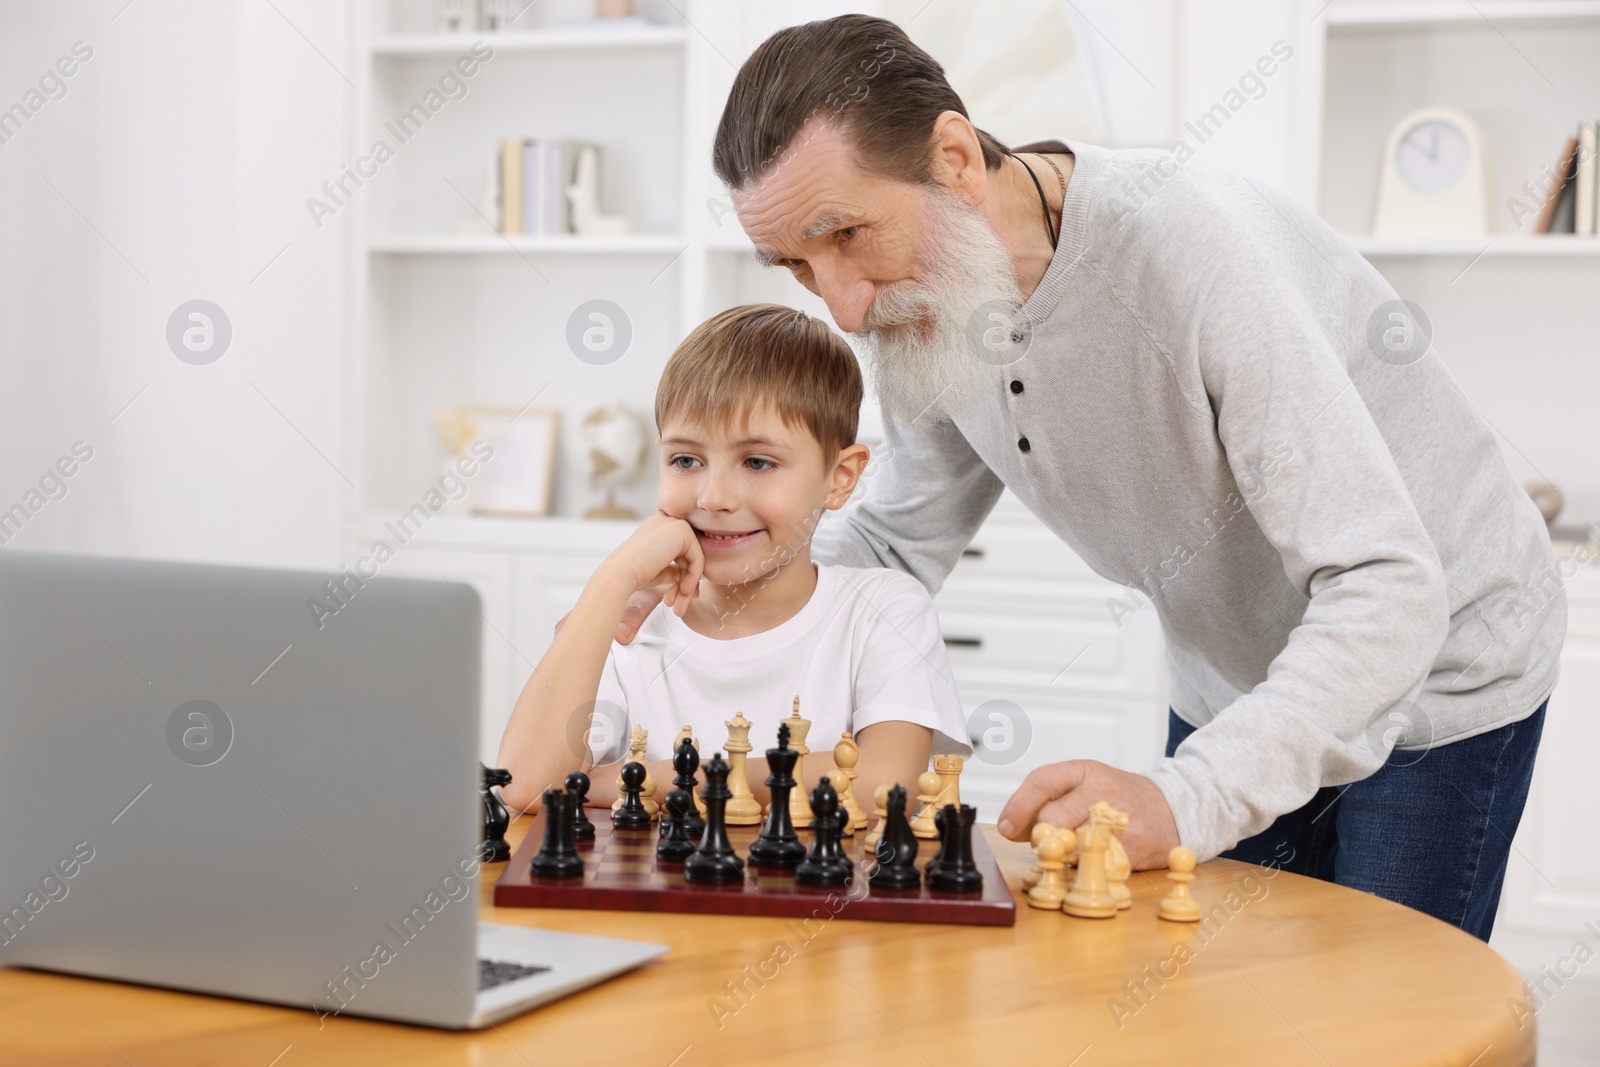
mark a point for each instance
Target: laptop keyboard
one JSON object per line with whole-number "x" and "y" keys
{"x": 493, "y": 973}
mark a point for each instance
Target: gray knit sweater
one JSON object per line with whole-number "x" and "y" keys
{"x": 1224, "y": 410}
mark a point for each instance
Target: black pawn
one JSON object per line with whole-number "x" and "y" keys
{"x": 632, "y": 815}
{"x": 675, "y": 845}
{"x": 957, "y": 871}
{"x": 495, "y": 816}
{"x": 558, "y": 853}
{"x": 715, "y": 862}
{"x": 897, "y": 850}
{"x": 577, "y": 784}
{"x": 685, "y": 761}
{"x": 779, "y": 846}
{"x": 826, "y": 865}
{"x": 938, "y": 854}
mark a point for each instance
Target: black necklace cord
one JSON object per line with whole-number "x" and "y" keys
{"x": 1048, "y": 225}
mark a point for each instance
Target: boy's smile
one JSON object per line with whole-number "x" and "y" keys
{"x": 717, "y": 540}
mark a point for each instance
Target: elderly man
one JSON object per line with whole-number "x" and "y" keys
{"x": 1199, "y": 387}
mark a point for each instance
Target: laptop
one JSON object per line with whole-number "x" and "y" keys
{"x": 261, "y": 784}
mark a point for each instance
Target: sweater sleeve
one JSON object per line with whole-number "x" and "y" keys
{"x": 924, "y": 495}
{"x": 1320, "y": 483}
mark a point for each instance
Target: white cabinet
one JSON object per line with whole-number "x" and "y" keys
{"x": 527, "y": 574}
{"x": 1553, "y": 880}
{"x": 1045, "y": 671}
{"x": 491, "y": 575}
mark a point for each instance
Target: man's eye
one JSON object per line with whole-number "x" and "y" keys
{"x": 848, "y": 232}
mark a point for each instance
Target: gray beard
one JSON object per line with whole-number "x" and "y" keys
{"x": 935, "y": 367}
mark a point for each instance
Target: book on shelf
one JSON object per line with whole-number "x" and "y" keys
{"x": 1584, "y": 208}
{"x": 1558, "y": 214}
{"x": 535, "y": 174}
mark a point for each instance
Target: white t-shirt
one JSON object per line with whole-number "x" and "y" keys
{"x": 866, "y": 648}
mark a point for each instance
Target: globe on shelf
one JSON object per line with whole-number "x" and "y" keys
{"x": 618, "y": 441}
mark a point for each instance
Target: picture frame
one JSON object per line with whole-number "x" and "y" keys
{"x": 519, "y": 478}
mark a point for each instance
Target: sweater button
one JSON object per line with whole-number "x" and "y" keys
{"x": 1024, "y": 445}
{"x": 1016, "y": 386}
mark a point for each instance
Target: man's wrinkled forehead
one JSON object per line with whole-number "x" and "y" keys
{"x": 809, "y": 190}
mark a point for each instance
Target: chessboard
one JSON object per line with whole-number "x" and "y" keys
{"x": 621, "y": 873}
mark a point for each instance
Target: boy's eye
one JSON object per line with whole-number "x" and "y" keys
{"x": 682, "y": 463}
{"x": 757, "y": 463}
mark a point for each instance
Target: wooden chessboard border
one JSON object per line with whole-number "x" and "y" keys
{"x": 777, "y": 896}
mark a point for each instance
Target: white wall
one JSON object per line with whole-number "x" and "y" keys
{"x": 173, "y": 168}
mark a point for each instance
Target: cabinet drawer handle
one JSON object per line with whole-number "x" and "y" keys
{"x": 964, "y": 642}
{"x": 972, "y": 552}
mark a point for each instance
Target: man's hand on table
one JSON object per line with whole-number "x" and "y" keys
{"x": 1060, "y": 794}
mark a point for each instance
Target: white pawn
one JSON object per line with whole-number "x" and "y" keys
{"x": 927, "y": 795}
{"x": 845, "y": 756}
{"x": 1031, "y": 878}
{"x": 1051, "y": 890}
{"x": 1178, "y": 906}
{"x": 880, "y": 811}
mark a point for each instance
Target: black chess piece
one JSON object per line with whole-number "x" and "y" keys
{"x": 675, "y": 845}
{"x": 685, "y": 761}
{"x": 938, "y": 854}
{"x": 495, "y": 816}
{"x": 957, "y": 871}
{"x": 558, "y": 852}
{"x": 632, "y": 815}
{"x": 715, "y": 862}
{"x": 897, "y": 850}
{"x": 779, "y": 846}
{"x": 825, "y": 865}
{"x": 577, "y": 784}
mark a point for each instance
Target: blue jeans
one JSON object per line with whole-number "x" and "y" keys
{"x": 1431, "y": 829}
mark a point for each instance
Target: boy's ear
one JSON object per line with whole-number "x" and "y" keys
{"x": 847, "y": 475}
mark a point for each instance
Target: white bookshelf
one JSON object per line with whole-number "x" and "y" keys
{"x": 454, "y": 313}
{"x": 646, "y": 244}
{"x": 1511, "y": 308}
{"x": 572, "y": 38}
{"x": 1446, "y": 12}
{"x": 449, "y": 312}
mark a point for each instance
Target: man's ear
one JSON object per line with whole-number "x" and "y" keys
{"x": 957, "y": 162}
{"x": 847, "y": 475}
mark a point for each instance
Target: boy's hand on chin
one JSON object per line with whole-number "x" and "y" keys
{"x": 662, "y": 557}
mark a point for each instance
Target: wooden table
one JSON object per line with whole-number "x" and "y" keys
{"x": 1298, "y": 972}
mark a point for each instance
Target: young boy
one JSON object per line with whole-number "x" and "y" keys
{"x": 757, "y": 413}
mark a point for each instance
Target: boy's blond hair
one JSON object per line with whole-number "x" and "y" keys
{"x": 760, "y": 354}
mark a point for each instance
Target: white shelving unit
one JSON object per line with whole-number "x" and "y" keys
{"x": 451, "y": 312}
{"x": 501, "y": 244}
{"x": 1507, "y": 305}
{"x": 1515, "y": 320}
{"x": 595, "y": 38}
{"x": 1459, "y": 12}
